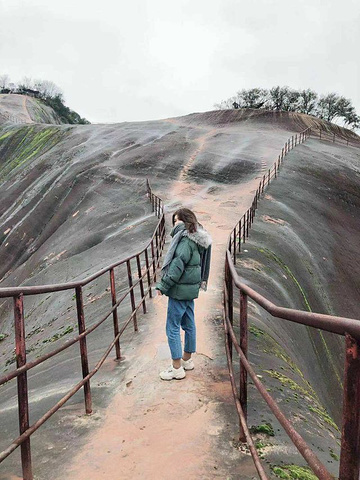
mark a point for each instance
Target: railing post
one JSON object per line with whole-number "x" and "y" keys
{"x": 334, "y": 138}
{"x": 247, "y": 223}
{"x": 22, "y": 387}
{"x": 229, "y": 284}
{"x": 320, "y": 133}
{"x": 295, "y": 140}
{"x": 350, "y": 439}
{"x": 148, "y": 272}
{"x": 162, "y": 229}
{"x": 141, "y": 282}
{"x": 132, "y": 295}
{"x": 157, "y": 247}
{"x": 83, "y": 348}
{"x": 244, "y": 227}
{"x": 244, "y": 347}
{"x": 282, "y": 153}
{"x": 115, "y": 313}
{"x": 275, "y": 169}
{"x": 163, "y": 234}
{"x": 269, "y": 176}
{"x": 153, "y": 259}
{"x": 240, "y": 235}
{"x": 234, "y": 240}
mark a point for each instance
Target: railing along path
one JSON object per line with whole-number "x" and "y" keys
{"x": 347, "y": 327}
{"x": 149, "y": 257}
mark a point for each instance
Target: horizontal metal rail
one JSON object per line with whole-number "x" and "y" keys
{"x": 57, "y": 287}
{"x": 322, "y": 134}
{"x": 330, "y": 323}
{"x": 147, "y": 274}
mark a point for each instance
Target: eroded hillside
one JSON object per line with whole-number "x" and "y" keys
{"x": 73, "y": 199}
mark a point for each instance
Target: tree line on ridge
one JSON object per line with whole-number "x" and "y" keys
{"x": 328, "y": 107}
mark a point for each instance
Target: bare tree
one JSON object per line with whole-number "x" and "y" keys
{"x": 277, "y": 97}
{"x": 4, "y": 81}
{"x": 307, "y": 101}
{"x": 291, "y": 101}
{"x": 252, "y": 98}
{"x": 328, "y": 106}
{"x": 351, "y": 119}
{"x": 225, "y": 104}
{"x": 283, "y": 98}
{"x": 26, "y": 82}
{"x": 47, "y": 88}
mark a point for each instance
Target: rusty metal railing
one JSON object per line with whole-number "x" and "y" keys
{"x": 241, "y": 230}
{"x": 146, "y": 275}
{"x": 349, "y": 328}
{"x": 333, "y": 137}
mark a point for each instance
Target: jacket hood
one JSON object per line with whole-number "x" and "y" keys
{"x": 201, "y": 237}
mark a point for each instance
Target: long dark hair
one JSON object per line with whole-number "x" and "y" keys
{"x": 188, "y": 217}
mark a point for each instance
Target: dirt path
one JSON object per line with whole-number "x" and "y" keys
{"x": 172, "y": 430}
{"x": 26, "y": 111}
{"x": 201, "y": 143}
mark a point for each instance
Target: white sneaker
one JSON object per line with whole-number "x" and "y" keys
{"x": 173, "y": 373}
{"x": 187, "y": 364}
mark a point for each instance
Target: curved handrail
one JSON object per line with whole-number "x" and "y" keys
{"x": 330, "y": 323}
{"x": 56, "y": 287}
{"x": 334, "y": 137}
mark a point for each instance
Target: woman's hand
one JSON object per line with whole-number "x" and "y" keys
{"x": 159, "y": 292}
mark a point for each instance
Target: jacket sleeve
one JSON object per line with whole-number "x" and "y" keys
{"x": 176, "y": 268}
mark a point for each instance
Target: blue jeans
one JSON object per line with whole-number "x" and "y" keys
{"x": 180, "y": 313}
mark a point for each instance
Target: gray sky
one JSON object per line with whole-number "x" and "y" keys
{"x": 150, "y": 59}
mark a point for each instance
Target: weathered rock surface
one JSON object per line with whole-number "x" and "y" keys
{"x": 72, "y": 199}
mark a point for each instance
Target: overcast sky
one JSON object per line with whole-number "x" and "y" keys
{"x": 119, "y": 60}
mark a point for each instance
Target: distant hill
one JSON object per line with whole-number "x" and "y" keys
{"x": 290, "y": 121}
{"x": 19, "y": 108}
{"x": 23, "y": 109}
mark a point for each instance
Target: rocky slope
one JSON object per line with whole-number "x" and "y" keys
{"x": 72, "y": 198}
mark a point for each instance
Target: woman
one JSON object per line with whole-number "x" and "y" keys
{"x": 185, "y": 269}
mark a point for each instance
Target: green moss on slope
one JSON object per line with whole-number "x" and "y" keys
{"x": 23, "y": 144}
{"x": 289, "y": 472}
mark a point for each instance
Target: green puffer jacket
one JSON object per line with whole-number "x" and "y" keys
{"x": 183, "y": 278}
